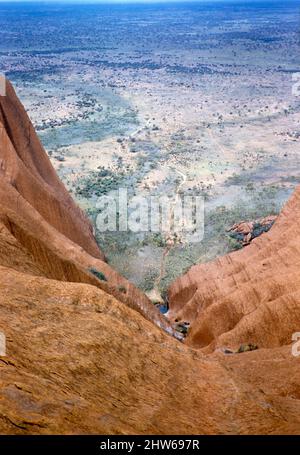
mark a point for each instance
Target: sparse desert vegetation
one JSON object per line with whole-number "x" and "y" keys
{"x": 203, "y": 106}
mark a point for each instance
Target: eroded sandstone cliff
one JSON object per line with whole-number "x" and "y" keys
{"x": 38, "y": 212}
{"x": 251, "y": 295}
{"x": 84, "y": 357}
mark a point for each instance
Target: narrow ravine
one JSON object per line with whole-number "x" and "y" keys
{"x": 171, "y": 242}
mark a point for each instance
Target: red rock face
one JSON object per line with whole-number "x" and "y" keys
{"x": 26, "y": 167}
{"x": 249, "y": 296}
{"x": 38, "y": 211}
{"x": 83, "y": 357}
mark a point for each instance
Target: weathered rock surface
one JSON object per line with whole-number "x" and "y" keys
{"x": 246, "y": 231}
{"x": 83, "y": 357}
{"x": 39, "y": 213}
{"x": 249, "y": 296}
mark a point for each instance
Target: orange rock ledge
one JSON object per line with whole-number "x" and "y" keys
{"x": 84, "y": 357}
